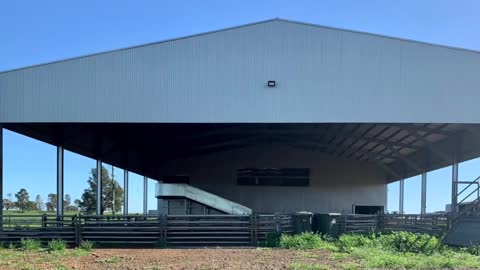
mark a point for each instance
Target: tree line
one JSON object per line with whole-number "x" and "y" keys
{"x": 112, "y": 198}
{"x": 22, "y": 202}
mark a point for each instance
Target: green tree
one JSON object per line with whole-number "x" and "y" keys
{"x": 71, "y": 208}
{"x": 110, "y": 190}
{"x": 39, "y": 203}
{"x": 68, "y": 201}
{"x": 77, "y": 203}
{"x": 51, "y": 204}
{"x": 8, "y": 203}
{"x": 22, "y": 199}
{"x": 31, "y": 206}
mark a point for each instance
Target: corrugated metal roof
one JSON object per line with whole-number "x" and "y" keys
{"x": 323, "y": 75}
{"x": 246, "y": 25}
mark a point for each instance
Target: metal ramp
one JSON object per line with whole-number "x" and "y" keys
{"x": 465, "y": 215}
{"x": 167, "y": 191}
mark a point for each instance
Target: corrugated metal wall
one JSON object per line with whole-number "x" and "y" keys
{"x": 322, "y": 74}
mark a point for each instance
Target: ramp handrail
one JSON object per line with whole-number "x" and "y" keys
{"x": 472, "y": 205}
{"x": 166, "y": 190}
{"x": 476, "y": 181}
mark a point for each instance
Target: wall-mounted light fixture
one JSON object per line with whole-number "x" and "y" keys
{"x": 271, "y": 84}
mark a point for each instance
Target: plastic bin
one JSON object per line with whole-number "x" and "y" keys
{"x": 326, "y": 223}
{"x": 303, "y": 222}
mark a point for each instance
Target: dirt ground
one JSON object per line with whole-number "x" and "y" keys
{"x": 202, "y": 259}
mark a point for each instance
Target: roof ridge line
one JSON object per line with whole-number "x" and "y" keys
{"x": 141, "y": 45}
{"x": 236, "y": 27}
{"x": 378, "y": 35}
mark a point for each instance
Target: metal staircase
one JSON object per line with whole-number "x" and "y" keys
{"x": 464, "y": 225}
{"x": 172, "y": 191}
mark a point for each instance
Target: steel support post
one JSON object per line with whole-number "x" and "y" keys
{"x": 60, "y": 181}
{"x": 125, "y": 192}
{"x": 423, "y": 208}
{"x": 401, "y": 196}
{"x": 99, "y": 188}
{"x": 160, "y": 201}
{"x": 454, "y": 207}
{"x": 145, "y": 195}
{"x": 1, "y": 177}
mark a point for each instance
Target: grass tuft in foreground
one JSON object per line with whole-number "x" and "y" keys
{"x": 307, "y": 266}
{"x": 57, "y": 245}
{"x": 86, "y": 245}
{"x": 398, "y": 250}
{"x": 30, "y": 254}
{"x": 30, "y": 244}
{"x": 306, "y": 241}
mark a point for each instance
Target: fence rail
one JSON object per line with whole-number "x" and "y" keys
{"x": 41, "y": 227}
{"x": 355, "y": 223}
{"x": 195, "y": 230}
{"x": 171, "y": 230}
{"x": 431, "y": 223}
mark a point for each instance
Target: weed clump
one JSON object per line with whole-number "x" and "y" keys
{"x": 57, "y": 245}
{"x": 474, "y": 250}
{"x": 86, "y": 245}
{"x": 306, "y": 241}
{"x": 30, "y": 244}
{"x": 404, "y": 242}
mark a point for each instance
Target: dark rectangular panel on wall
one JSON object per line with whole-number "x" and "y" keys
{"x": 274, "y": 176}
{"x": 176, "y": 179}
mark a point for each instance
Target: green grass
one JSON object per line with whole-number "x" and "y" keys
{"x": 41, "y": 258}
{"x": 401, "y": 250}
{"x": 30, "y": 244}
{"x": 57, "y": 245}
{"x": 33, "y": 219}
{"x": 378, "y": 258}
{"x": 307, "y": 266}
{"x": 306, "y": 241}
{"x": 111, "y": 260}
{"x": 349, "y": 252}
{"x": 86, "y": 245}
{"x": 306, "y": 254}
{"x": 26, "y": 213}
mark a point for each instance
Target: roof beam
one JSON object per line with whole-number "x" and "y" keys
{"x": 367, "y": 142}
{"x": 402, "y": 157}
{"x": 415, "y": 133}
{"x": 418, "y": 128}
{"x": 355, "y": 141}
{"x": 341, "y": 144}
{"x": 390, "y": 137}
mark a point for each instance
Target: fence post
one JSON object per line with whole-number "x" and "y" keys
{"x": 345, "y": 225}
{"x": 278, "y": 228}
{"x": 253, "y": 231}
{"x": 381, "y": 222}
{"x": 75, "y": 227}
{"x": 163, "y": 229}
{"x": 79, "y": 228}
{"x": 44, "y": 220}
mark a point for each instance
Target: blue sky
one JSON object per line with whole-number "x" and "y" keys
{"x": 33, "y": 32}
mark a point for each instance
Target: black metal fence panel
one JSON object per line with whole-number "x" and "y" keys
{"x": 436, "y": 224}
{"x": 171, "y": 230}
